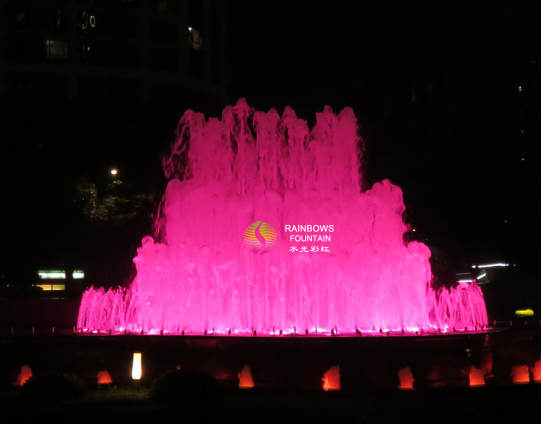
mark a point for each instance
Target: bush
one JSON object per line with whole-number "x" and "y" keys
{"x": 184, "y": 387}
{"x": 50, "y": 387}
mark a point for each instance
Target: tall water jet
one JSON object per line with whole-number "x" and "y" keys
{"x": 337, "y": 260}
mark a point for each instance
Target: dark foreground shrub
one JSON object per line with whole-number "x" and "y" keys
{"x": 50, "y": 387}
{"x": 184, "y": 387}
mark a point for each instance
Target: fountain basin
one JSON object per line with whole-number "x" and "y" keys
{"x": 368, "y": 363}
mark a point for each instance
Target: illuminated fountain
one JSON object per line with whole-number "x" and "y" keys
{"x": 197, "y": 276}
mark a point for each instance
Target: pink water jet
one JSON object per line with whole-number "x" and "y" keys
{"x": 196, "y": 275}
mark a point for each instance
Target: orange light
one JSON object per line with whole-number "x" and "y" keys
{"x": 520, "y": 374}
{"x": 245, "y": 378}
{"x": 486, "y": 362}
{"x": 331, "y": 379}
{"x": 536, "y": 370}
{"x": 24, "y": 376}
{"x": 406, "y": 379}
{"x": 104, "y": 377}
{"x": 137, "y": 368}
{"x": 477, "y": 377}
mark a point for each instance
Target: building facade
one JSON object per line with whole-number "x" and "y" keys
{"x": 136, "y": 50}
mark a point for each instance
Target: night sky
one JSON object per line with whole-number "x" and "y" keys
{"x": 435, "y": 87}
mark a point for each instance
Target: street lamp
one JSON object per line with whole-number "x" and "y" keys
{"x": 114, "y": 172}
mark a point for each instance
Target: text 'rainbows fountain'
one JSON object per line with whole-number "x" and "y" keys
{"x": 199, "y": 276}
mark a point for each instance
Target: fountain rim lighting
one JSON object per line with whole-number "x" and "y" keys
{"x": 424, "y": 333}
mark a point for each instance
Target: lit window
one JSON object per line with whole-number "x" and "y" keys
{"x": 51, "y": 287}
{"x": 92, "y": 21}
{"x": 78, "y": 275}
{"x": 56, "y": 49}
{"x": 44, "y": 286}
{"x": 52, "y": 275}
